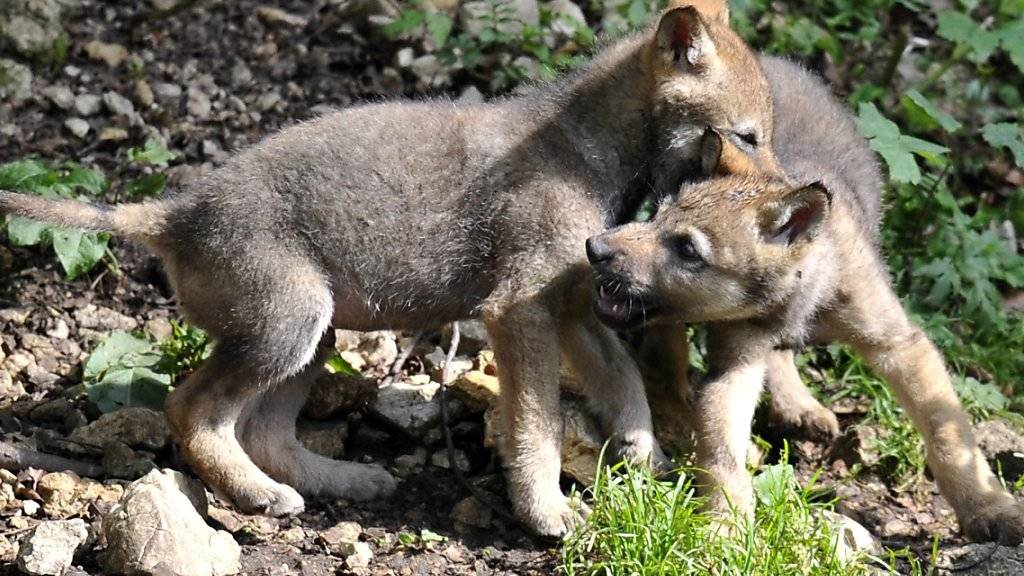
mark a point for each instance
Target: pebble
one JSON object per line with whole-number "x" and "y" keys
{"x": 166, "y": 92}
{"x": 60, "y": 95}
{"x": 87, "y": 104}
{"x": 111, "y": 54}
{"x": 118, "y": 104}
{"x": 268, "y": 101}
{"x": 144, "y": 94}
{"x": 199, "y": 104}
{"x": 50, "y": 548}
{"x": 273, "y": 15}
{"x": 113, "y": 134}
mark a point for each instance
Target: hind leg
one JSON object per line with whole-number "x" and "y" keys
{"x": 268, "y": 435}
{"x": 267, "y": 324}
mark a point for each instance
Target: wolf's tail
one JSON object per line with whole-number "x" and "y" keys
{"x": 141, "y": 221}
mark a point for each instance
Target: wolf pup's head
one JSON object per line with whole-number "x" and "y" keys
{"x": 705, "y": 75}
{"x": 728, "y": 248}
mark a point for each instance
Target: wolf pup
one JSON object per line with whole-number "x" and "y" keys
{"x": 771, "y": 265}
{"x": 412, "y": 215}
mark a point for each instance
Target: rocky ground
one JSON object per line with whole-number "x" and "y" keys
{"x": 205, "y": 81}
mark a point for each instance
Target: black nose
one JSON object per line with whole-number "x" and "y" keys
{"x": 598, "y": 250}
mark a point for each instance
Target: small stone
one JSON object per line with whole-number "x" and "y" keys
{"x": 852, "y": 539}
{"x": 137, "y": 427}
{"x": 50, "y": 548}
{"x": 340, "y": 537}
{"x": 293, "y": 535}
{"x": 103, "y": 319}
{"x": 404, "y": 57}
{"x": 118, "y": 104}
{"x": 167, "y": 93}
{"x": 981, "y": 560}
{"x": 60, "y": 330}
{"x": 15, "y": 81}
{"x": 120, "y": 461}
{"x": 111, "y": 54}
{"x": 335, "y": 394}
{"x": 158, "y": 328}
{"x": 410, "y": 408}
{"x": 60, "y": 95}
{"x": 87, "y": 104}
{"x": 273, "y": 15}
{"x": 440, "y": 459}
{"x": 479, "y": 386}
{"x": 324, "y": 438}
{"x": 77, "y": 126}
{"x": 212, "y": 150}
{"x": 157, "y": 529}
{"x": 360, "y": 557}
{"x": 567, "y": 18}
{"x": 113, "y": 134}
{"x": 471, "y": 95}
{"x": 199, "y": 104}
{"x": 144, "y": 94}
{"x": 379, "y": 348}
{"x": 472, "y": 512}
{"x": 426, "y": 67}
{"x": 268, "y": 101}
{"x": 408, "y": 464}
{"x": 241, "y": 75}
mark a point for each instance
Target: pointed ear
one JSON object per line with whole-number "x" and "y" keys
{"x": 798, "y": 217}
{"x": 720, "y": 157}
{"x": 684, "y": 40}
{"x": 711, "y": 10}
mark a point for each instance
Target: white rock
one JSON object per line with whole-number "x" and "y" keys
{"x": 405, "y": 57}
{"x": 199, "y": 104}
{"x": 852, "y": 539}
{"x": 60, "y": 95}
{"x": 87, "y": 104}
{"x": 567, "y": 18}
{"x": 268, "y": 100}
{"x": 167, "y": 93}
{"x": 156, "y": 529}
{"x": 360, "y": 556}
{"x": 77, "y": 126}
{"x": 410, "y": 407}
{"x": 140, "y": 428}
{"x": 471, "y": 95}
{"x": 50, "y": 548}
{"x": 17, "y": 81}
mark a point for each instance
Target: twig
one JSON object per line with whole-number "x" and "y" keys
{"x": 976, "y": 563}
{"x": 15, "y": 459}
{"x": 475, "y": 491}
{"x": 399, "y": 362}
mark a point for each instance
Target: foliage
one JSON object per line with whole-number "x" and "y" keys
{"x": 640, "y": 525}
{"x": 128, "y": 370}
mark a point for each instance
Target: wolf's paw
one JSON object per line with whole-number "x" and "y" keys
{"x": 555, "y": 517}
{"x": 1001, "y": 521}
{"x": 640, "y": 447}
{"x": 271, "y": 499}
{"x": 808, "y": 421}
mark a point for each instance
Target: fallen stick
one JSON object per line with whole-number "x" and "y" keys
{"x": 16, "y": 459}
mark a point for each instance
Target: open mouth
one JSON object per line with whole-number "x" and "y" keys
{"x": 621, "y": 308}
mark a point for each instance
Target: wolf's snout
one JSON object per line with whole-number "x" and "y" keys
{"x": 598, "y": 250}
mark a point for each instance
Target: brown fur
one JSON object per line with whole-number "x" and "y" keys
{"x": 411, "y": 215}
{"x": 771, "y": 265}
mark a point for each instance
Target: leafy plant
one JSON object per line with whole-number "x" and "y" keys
{"x": 77, "y": 251}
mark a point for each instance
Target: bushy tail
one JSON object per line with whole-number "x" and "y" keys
{"x": 140, "y": 221}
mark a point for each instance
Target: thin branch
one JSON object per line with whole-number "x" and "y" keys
{"x": 16, "y": 459}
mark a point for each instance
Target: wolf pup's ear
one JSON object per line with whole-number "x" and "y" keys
{"x": 684, "y": 40}
{"x": 711, "y": 10}
{"x": 798, "y": 217}
{"x": 720, "y": 157}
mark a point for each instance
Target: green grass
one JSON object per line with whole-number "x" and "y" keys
{"x": 639, "y": 525}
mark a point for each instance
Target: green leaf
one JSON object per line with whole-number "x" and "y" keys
{"x": 637, "y": 12}
{"x": 896, "y": 149}
{"x": 774, "y": 483}
{"x": 960, "y": 28}
{"x": 439, "y": 26}
{"x": 121, "y": 373}
{"x": 92, "y": 181}
{"x": 338, "y": 365}
{"x": 1012, "y": 40}
{"x": 150, "y": 185}
{"x": 15, "y": 174}
{"x": 407, "y": 20}
{"x": 25, "y": 232}
{"x": 948, "y": 123}
{"x": 78, "y": 251}
{"x": 153, "y": 153}
{"x": 978, "y": 397}
{"x": 1006, "y": 134}
{"x": 428, "y": 536}
{"x": 119, "y": 348}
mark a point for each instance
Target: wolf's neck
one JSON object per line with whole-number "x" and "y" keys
{"x": 604, "y": 112}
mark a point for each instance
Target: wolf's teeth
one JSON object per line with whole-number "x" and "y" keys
{"x": 600, "y": 290}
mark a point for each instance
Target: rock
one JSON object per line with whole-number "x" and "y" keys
{"x": 158, "y": 328}
{"x": 113, "y": 134}
{"x": 156, "y": 529}
{"x": 103, "y": 319}
{"x": 440, "y": 459}
{"x": 408, "y": 464}
{"x": 528, "y": 65}
{"x": 335, "y": 394}
{"x": 325, "y": 438}
{"x": 30, "y": 27}
{"x": 340, "y": 538}
{"x": 9, "y": 389}
{"x": 981, "y": 560}
{"x": 15, "y": 81}
{"x": 426, "y": 68}
{"x": 64, "y": 494}
{"x": 167, "y": 93}
{"x": 470, "y": 95}
{"x": 143, "y": 93}
{"x": 199, "y": 104}
{"x": 273, "y": 15}
{"x": 856, "y": 446}
{"x": 50, "y": 548}
{"x": 137, "y": 427}
{"x": 87, "y": 104}
{"x": 404, "y": 57}
{"x": 212, "y": 150}
{"x": 111, "y": 54}
{"x": 411, "y": 408}
{"x": 61, "y": 96}
{"x": 1003, "y": 445}
{"x": 268, "y": 100}
{"x": 379, "y": 348}
{"x": 481, "y": 388}
{"x": 896, "y": 528}
{"x": 567, "y": 17}
{"x": 118, "y": 105}
{"x": 241, "y": 75}
{"x": 472, "y": 512}
{"x": 120, "y": 461}
{"x": 360, "y": 557}
{"x": 852, "y": 539}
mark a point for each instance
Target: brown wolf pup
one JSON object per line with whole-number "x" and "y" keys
{"x": 411, "y": 215}
{"x": 771, "y": 265}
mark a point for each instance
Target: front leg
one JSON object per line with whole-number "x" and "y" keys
{"x": 902, "y": 354}
{"x": 725, "y": 411}
{"x": 525, "y": 339}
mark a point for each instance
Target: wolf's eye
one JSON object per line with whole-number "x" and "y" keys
{"x": 748, "y": 138}
{"x": 686, "y": 249}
